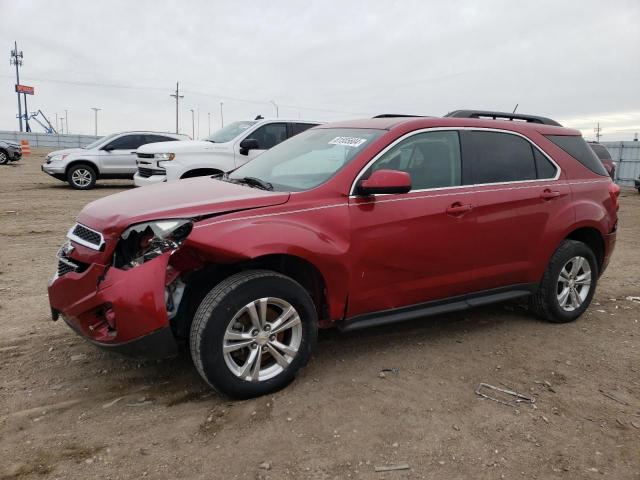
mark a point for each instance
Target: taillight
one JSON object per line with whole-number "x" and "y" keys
{"x": 614, "y": 193}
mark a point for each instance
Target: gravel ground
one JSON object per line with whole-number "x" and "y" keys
{"x": 70, "y": 411}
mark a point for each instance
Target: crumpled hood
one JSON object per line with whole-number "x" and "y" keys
{"x": 183, "y": 199}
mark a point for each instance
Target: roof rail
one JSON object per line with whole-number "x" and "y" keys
{"x": 395, "y": 115}
{"x": 501, "y": 116}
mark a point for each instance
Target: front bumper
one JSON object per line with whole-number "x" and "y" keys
{"x": 15, "y": 153}
{"x": 120, "y": 310}
{"x": 57, "y": 171}
{"x": 141, "y": 181}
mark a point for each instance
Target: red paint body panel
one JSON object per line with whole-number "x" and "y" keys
{"x": 374, "y": 253}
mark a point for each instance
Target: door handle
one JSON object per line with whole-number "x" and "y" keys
{"x": 458, "y": 208}
{"x": 548, "y": 194}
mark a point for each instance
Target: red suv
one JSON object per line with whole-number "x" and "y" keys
{"x": 351, "y": 224}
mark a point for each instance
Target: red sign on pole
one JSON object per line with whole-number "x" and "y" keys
{"x": 25, "y": 89}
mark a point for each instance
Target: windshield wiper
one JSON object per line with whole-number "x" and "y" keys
{"x": 256, "y": 182}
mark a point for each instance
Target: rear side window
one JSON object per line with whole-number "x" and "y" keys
{"x": 544, "y": 167}
{"x": 601, "y": 151}
{"x": 297, "y": 128}
{"x": 159, "y": 138}
{"x": 578, "y": 149}
{"x": 500, "y": 157}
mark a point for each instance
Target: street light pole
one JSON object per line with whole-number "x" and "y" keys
{"x": 66, "y": 120}
{"x": 221, "y": 116}
{"x": 276, "y": 106}
{"x": 209, "y": 121}
{"x": 193, "y": 124}
{"x": 95, "y": 111}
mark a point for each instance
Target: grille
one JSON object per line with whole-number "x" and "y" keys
{"x": 65, "y": 266}
{"x": 145, "y": 155}
{"x": 147, "y": 172}
{"x": 87, "y": 235}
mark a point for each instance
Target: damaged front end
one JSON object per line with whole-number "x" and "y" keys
{"x": 125, "y": 301}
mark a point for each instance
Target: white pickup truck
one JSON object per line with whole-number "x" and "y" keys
{"x": 225, "y": 150}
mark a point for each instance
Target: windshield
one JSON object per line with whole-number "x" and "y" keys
{"x": 95, "y": 143}
{"x": 228, "y": 133}
{"x": 308, "y": 159}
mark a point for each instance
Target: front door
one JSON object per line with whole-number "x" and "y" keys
{"x": 419, "y": 246}
{"x": 119, "y": 155}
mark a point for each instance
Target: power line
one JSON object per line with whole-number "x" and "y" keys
{"x": 191, "y": 92}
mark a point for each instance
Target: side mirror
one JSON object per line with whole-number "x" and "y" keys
{"x": 385, "y": 181}
{"x": 248, "y": 144}
{"x": 108, "y": 148}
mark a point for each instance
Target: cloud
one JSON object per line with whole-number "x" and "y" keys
{"x": 323, "y": 60}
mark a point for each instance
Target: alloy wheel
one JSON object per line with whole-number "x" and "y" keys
{"x": 3, "y": 158}
{"x": 262, "y": 339}
{"x": 574, "y": 283}
{"x": 81, "y": 177}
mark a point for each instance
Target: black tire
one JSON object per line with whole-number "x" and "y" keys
{"x": 4, "y": 157}
{"x": 217, "y": 310}
{"x": 545, "y": 303}
{"x": 82, "y": 176}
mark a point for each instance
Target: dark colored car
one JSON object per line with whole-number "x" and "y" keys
{"x": 9, "y": 152}
{"x": 605, "y": 157}
{"x": 637, "y": 183}
{"x": 351, "y": 224}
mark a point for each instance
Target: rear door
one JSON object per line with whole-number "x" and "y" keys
{"x": 120, "y": 154}
{"x": 519, "y": 192}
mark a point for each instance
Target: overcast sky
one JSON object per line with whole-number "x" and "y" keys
{"x": 575, "y": 61}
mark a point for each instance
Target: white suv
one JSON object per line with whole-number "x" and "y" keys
{"x": 225, "y": 150}
{"x": 112, "y": 156}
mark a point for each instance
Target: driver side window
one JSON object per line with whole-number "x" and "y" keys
{"x": 432, "y": 159}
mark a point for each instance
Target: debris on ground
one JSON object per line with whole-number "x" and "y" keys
{"x": 504, "y": 396}
{"x": 391, "y": 468}
{"x": 612, "y": 397}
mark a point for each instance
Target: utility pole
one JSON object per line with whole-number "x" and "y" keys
{"x": 221, "y": 116}
{"x": 193, "y": 124}
{"x": 276, "y": 106}
{"x": 177, "y": 96}
{"x": 198, "y": 107}
{"x": 209, "y": 121}
{"x": 16, "y": 59}
{"x": 95, "y": 111}
{"x": 26, "y": 114}
{"x": 66, "y": 120}
{"x": 598, "y": 134}
{"x": 57, "y": 128}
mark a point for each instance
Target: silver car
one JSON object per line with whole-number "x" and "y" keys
{"x": 113, "y": 156}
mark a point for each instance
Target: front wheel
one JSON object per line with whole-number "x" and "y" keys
{"x": 81, "y": 177}
{"x": 252, "y": 333}
{"x": 568, "y": 284}
{"x": 4, "y": 158}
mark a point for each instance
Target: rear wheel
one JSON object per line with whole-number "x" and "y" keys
{"x": 568, "y": 285}
{"x": 4, "y": 158}
{"x": 252, "y": 333}
{"x": 81, "y": 177}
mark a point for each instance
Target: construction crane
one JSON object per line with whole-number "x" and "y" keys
{"x": 46, "y": 125}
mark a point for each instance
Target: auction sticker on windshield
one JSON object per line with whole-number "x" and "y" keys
{"x": 348, "y": 141}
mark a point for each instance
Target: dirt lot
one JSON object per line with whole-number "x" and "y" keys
{"x": 68, "y": 410}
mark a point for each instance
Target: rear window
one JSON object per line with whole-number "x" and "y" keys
{"x": 578, "y": 149}
{"x": 601, "y": 151}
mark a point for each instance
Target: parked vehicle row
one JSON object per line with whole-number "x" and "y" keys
{"x": 605, "y": 157}
{"x": 113, "y": 156}
{"x": 351, "y": 224}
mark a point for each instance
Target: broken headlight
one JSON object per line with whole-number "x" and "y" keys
{"x": 145, "y": 241}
